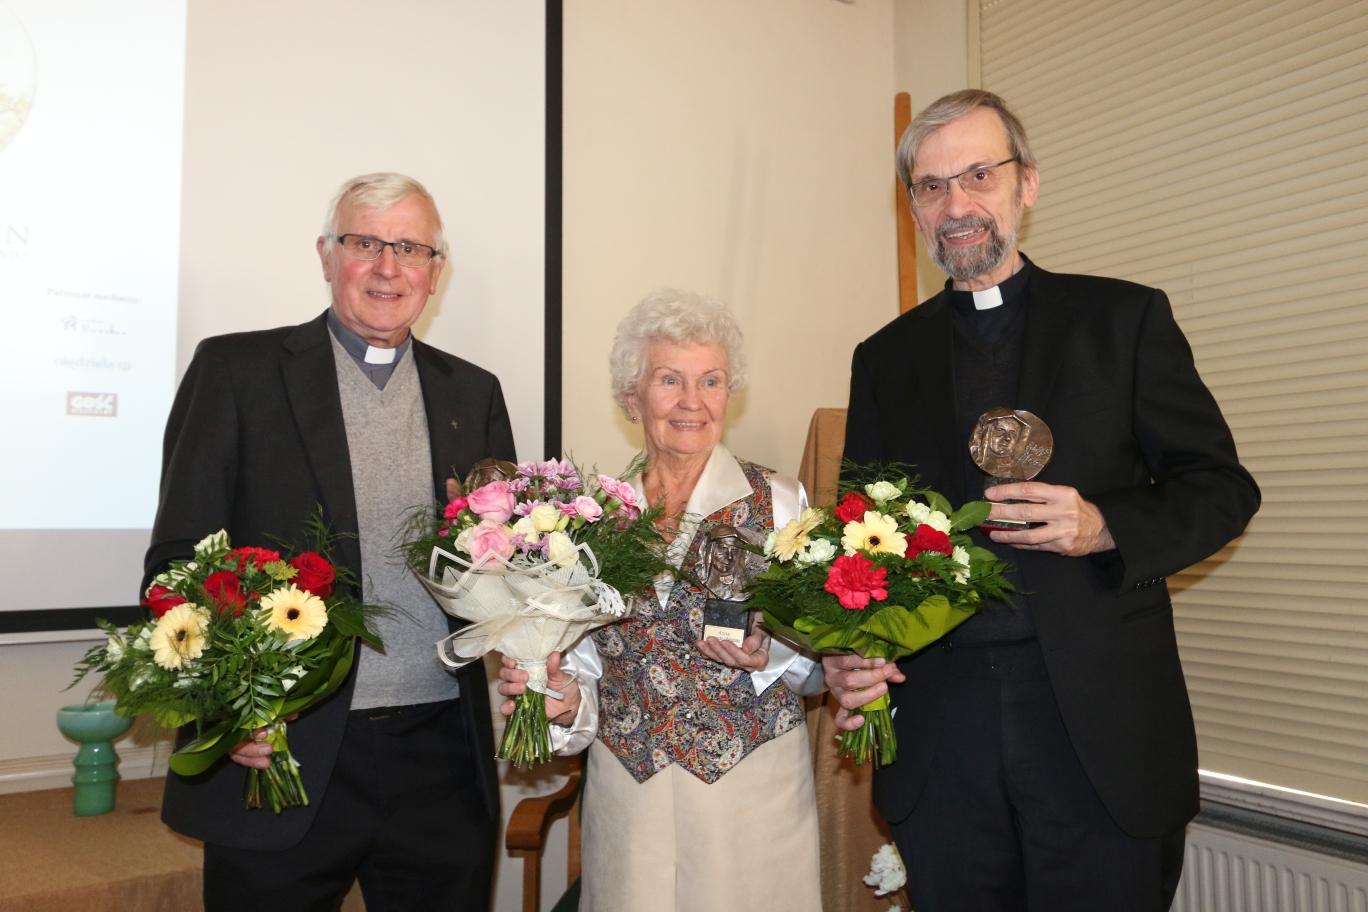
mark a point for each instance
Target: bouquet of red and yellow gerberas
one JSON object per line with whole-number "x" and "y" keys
{"x": 240, "y": 639}
{"x": 889, "y": 571}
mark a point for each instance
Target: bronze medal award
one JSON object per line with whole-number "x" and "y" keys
{"x": 1010, "y": 445}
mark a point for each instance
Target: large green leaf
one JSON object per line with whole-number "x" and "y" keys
{"x": 197, "y": 756}
{"x": 970, "y": 516}
{"x": 302, "y": 699}
{"x": 918, "y": 628}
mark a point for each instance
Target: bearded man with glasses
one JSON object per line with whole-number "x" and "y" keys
{"x": 351, "y": 413}
{"x": 1047, "y": 759}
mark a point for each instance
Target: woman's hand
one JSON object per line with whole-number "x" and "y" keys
{"x": 513, "y": 683}
{"x": 751, "y": 655}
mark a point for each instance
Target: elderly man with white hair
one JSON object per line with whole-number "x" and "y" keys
{"x": 351, "y": 413}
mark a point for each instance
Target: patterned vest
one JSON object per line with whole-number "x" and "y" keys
{"x": 661, "y": 701}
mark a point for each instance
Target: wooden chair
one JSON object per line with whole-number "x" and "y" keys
{"x": 525, "y": 838}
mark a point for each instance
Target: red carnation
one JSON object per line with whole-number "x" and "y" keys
{"x": 316, "y": 575}
{"x": 160, "y": 600}
{"x": 926, "y": 538}
{"x": 259, "y": 557}
{"x": 853, "y": 506}
{"x": 854, "y": 580}
{"x": 225, "y": 589}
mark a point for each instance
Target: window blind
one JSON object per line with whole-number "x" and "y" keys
{"x": 1218, "y": 149}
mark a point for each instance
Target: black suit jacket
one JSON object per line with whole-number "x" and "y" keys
{"x": 1138, "y": 434}
{"x": 254, "y": 443}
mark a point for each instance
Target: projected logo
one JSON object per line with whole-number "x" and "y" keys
{"x": 18, "y": 76}
{"x": 92, "y": 405}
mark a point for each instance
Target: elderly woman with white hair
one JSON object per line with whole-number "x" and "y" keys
{"x": 699, "y": 790}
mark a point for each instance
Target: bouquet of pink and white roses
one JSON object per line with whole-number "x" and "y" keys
{"x": 534, "y": 557}
{"x": 240, "y": 639}
{"x": 888, "y": 572}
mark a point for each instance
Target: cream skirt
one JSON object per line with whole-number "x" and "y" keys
{"x": 676, "y": 844}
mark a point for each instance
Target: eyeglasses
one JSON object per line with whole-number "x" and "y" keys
{"x": 365, "y": 247}
{"x": 978, "y": 179}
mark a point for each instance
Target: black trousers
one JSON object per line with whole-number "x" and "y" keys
{"x": 1008, "y": 821}
{"x": 402, "y": 813}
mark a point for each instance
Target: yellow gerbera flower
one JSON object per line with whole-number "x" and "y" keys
{"x": 179, "y": 637}
{"x": 300, "y": 614}
{"x": 793, "y": 538}
{"x": 877, "y": 534}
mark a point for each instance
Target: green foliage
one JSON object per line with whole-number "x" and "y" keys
{"x": 630, "y": 555}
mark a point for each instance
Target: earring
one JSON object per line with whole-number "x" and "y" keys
{"x": 632, "y": 418}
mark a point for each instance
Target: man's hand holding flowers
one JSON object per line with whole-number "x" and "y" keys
{"x": 856, "y": 681}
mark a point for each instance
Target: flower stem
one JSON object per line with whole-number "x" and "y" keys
{"x": 280, "y": 782}
{"x": 873, "y": 739}
{"x": 527, "y": 736}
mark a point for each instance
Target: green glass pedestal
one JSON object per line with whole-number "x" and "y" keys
{"x": 94, "y": 726}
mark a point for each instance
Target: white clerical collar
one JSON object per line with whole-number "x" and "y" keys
{"x": 988, "y": 299}
{"x": 383, "y": 355}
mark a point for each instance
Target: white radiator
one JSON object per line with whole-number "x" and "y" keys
{"x": 1226, "y": 871}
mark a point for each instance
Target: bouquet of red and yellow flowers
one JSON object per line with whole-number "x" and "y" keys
{"x": 888, "y": 572}
{"x": 240, "y": 639}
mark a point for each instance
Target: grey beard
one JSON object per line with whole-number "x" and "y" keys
{"x": 964, "y": 264}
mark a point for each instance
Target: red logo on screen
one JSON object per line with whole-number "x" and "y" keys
{"x": 98, "y": 405}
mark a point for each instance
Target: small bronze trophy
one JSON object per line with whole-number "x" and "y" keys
{"x": 1010, "y": 445}
{"x": 727, "y": 565}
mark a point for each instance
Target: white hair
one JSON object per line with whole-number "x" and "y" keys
{"x": 379, "y": 191}
{"x": 675, "y": 316}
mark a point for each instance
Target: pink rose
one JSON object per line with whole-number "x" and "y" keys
{"x": 489, "y": 538}
{"x": 493, "y": 502}
{"x": 588, "y": 508}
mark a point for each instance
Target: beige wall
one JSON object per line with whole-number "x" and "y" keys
{"x": 930, "y": 59}
{"x": 742, "y": 150}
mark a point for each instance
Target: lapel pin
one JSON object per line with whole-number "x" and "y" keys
{"x": 455, "y": 425}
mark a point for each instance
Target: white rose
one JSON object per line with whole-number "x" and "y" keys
{"x": 525, "y": 528}
{"x": 917, "y": 512}
{"x": 561, "y": 549}
{"x": 769, "y": 544}
{"x": 882, "y": 491}
{"x": 818, "y": 551}
{"x": 938, "y": 521}
{"x": 545, "y": 518}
